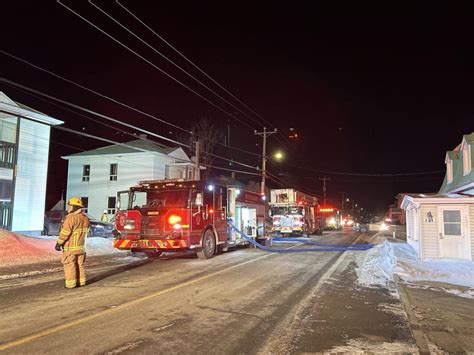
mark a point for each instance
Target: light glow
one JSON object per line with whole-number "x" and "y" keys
{"x": 174, "y": 219}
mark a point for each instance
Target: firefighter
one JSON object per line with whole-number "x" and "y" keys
{"x": 104, "y": 217}
{"x": 71, "y": 241}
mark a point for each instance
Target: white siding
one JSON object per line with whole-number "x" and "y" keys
{"x": 8, "y": 129}
{"x": 471, "y": 224}
{"x": 412, "y": 225}
{"x": 32, "y": 168}
{"x": 131, "y": 169}
{"x": 429, "y": 233}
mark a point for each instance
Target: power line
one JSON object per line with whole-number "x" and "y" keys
{"x": 116, "y": 101}
{"x": 16, "y": 85}
{"x": 154, "y": 65}
{"x": 199, "y": 69}
{"x": 170, "y": 61}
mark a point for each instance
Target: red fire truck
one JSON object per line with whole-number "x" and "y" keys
{"x": 175, "y": 215}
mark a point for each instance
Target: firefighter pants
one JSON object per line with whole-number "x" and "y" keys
{"x": 74, "y": 271}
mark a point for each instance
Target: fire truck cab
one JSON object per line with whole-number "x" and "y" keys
{"x": 176, "y": 215}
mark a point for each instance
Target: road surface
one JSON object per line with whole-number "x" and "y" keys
{"x": 242, "y": 301}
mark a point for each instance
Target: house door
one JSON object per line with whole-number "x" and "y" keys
{"x": 453, "y": 233}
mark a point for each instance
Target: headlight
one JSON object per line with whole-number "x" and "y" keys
{"x": 384, "y": 227}
{"x": 332, "y": 221}
{"x": 129, "y": 224}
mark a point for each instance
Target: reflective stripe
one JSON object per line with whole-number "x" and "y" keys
{"x": 70, "y": 283}
{"x": 74, "y": 248}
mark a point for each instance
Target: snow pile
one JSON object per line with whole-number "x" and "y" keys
{"x": 17, "y": 249}
{"x": 375, "y": 266}
{"x": 409, "y": 268}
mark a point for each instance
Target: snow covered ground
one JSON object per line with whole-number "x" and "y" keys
{"x": 17, "y": 249}
{"x": 379, "y": 265}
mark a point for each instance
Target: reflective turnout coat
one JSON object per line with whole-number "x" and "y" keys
{"x": 74, "y": 232}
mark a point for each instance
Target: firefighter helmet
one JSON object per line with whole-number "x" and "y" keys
{"x": 75, "y": 201}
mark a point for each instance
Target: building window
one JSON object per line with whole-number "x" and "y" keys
{"x": 6, "y": 190}
{"x": 113, "y": 172}
{"x": 449, "y": 171}
{"x": 111, "y": 203}
{"x": 452, "y": 222}
{"x": 466, "y": 159}
{"x": 85, "y": 202}
{"x": 86, "y": 172}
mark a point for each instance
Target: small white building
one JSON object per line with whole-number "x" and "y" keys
{"x": 97, "y": 175}
{"x": 441, "y": 225}
{"x": 24, "y": 150}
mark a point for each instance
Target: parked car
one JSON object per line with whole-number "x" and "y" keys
{"x": 53, "y": 220}
{"x": 362, "y": 226}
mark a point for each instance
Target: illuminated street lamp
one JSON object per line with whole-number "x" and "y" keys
{"x": 278, "y": 155}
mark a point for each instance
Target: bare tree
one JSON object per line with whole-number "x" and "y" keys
{"x": 207, "y": 134}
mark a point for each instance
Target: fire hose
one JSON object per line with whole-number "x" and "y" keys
{"x": 329, "y": 247}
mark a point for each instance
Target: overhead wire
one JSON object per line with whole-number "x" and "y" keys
{"x": 201, "y": 71}
{"x": 170, "y": 61}
{"x": 102, "y": 139}
{"x": 25, "y": 88}
{"x": 119, "y": 102}
{"x": 155, "y": 66}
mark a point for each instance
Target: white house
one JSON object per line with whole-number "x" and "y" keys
{"x": 441, "y": 225}
{"x": 24, "y": 150}
{"x": 97, "y": 175}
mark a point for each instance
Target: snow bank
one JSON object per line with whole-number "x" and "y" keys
{"x": 17, "y": 249}
{"x": 375, "y": 266}
{"x": 378, "y": 265}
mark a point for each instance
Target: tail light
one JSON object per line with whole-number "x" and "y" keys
{"x": 276, "y": 220}
{"x": 129, "y": 223}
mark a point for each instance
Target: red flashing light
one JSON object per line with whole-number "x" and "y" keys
{"x": 211, "y": 211}
{"x": 174, "y": 219}
{"x": 326, "y": 209}
{"x": 300, "y": 203}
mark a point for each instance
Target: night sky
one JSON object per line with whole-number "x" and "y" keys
{"x": 376, "y": 90}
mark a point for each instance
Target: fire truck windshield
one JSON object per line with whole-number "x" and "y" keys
{"x": 277, "y": 211}
{"x": 157, "y": 199}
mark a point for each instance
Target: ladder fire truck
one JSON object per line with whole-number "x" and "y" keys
{"x": 158, "y": 216}
{"x": 294, "y": 212}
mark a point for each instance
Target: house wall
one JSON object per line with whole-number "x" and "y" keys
{"x": 31, "y": 174}
{"x": 429, "y": 233}
{"x": 412, "y": 229}
{"x": 471, "y": 226}
{"x": 131, "y": 169}
{"x": 8, "y": 129}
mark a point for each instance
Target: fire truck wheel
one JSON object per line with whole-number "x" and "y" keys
{"x": 208, "y": 245}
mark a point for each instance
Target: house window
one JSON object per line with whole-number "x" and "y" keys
{"x": 113, "y": 172}
{"x": 466, "y": 159}
{"x": 5, "y": 190}
{"x": 452, "y": 222}
{"x": 85, "y": 202}
{"x": 86, "y": 172}
{"x": 111, "y": 203}
{"x": 449, "y": 171}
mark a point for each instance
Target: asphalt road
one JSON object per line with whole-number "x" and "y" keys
{"x": 242, "y": 301}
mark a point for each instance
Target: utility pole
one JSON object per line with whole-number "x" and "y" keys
{"x": 342, "y": 203}
{"x": 197, "y": 169}
{"x": 324, "y": 179}
{"x": 264, "y": 134}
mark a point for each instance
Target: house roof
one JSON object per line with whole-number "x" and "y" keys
{"x": 435, "y": 198}
{"x": 140, "y": 144}
{"x": 469, "y": 138}
{"x": 460, "y": 181}
{"x": 17, "y": 109}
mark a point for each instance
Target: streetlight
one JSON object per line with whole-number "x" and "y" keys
{"x": 278, "y": 155}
